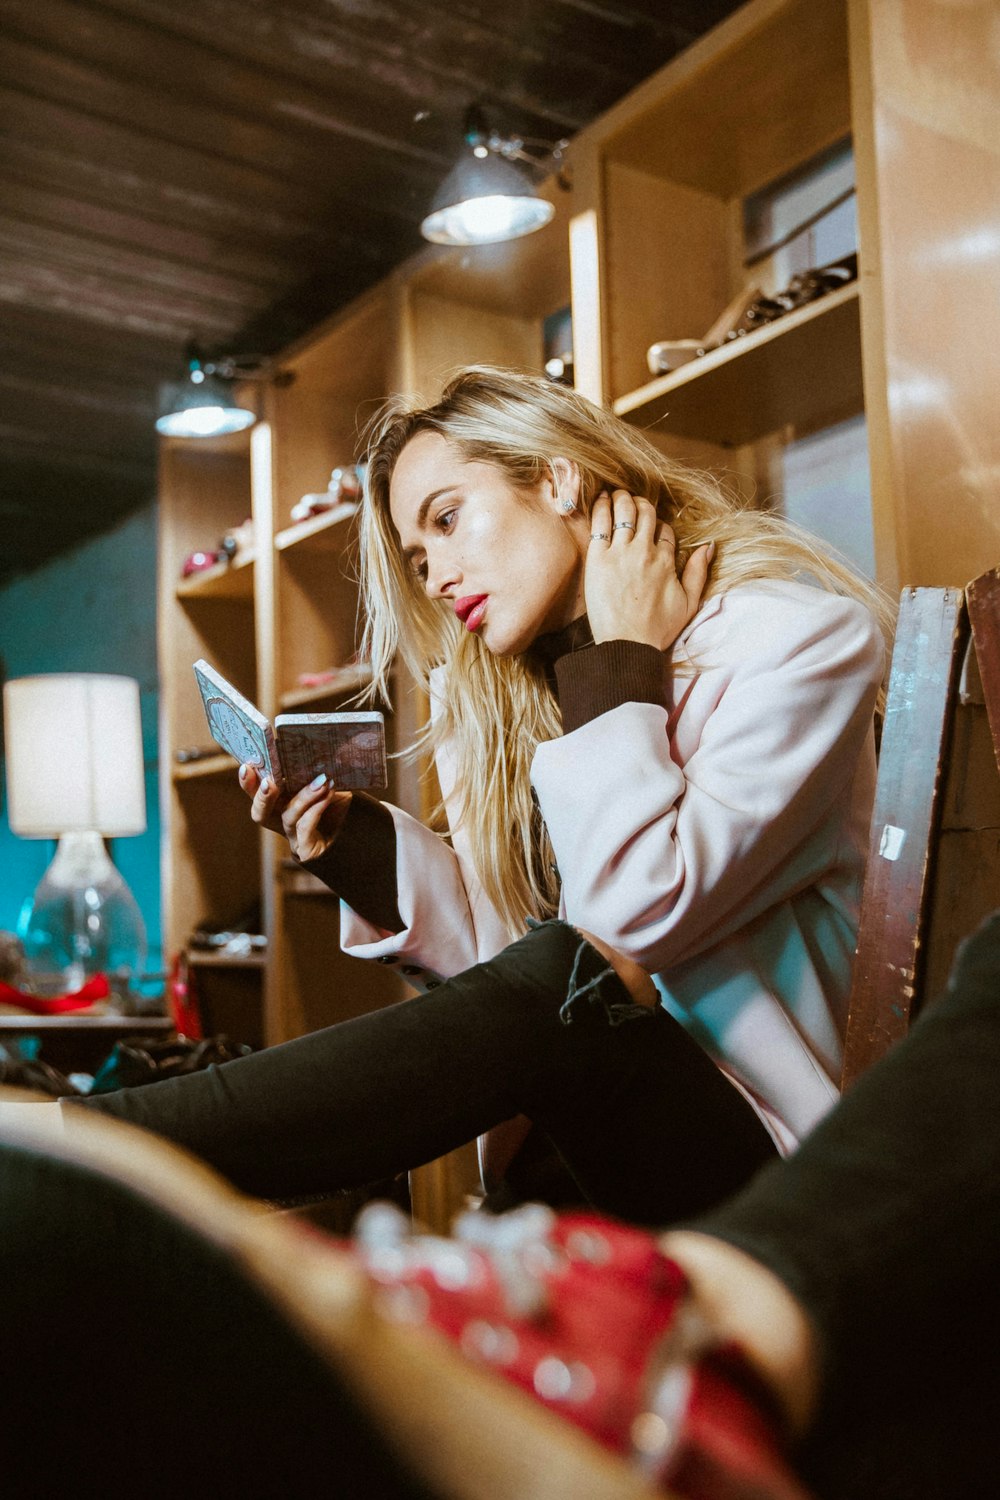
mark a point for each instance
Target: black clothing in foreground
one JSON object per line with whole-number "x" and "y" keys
{"x": 145, "y": 1361}
{"x": 645, "y": 1122}
{"x": 885, "y": 1224}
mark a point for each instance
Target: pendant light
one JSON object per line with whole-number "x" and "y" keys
{"x": 204, "y": 404}
{"x": 490, "y": 195}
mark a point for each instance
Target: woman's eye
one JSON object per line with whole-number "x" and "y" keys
{"x": 443, "y": 522}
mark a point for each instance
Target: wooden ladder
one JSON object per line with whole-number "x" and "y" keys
{"x": 933, "y": 867}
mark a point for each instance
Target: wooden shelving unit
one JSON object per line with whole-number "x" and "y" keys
{"x": 647, "y": 246}
{"x": 286, "y": 615}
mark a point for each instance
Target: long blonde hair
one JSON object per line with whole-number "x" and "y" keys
{"x": 496, "y": 710}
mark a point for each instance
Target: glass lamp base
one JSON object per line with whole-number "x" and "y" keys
{"x": 82, "y": 921}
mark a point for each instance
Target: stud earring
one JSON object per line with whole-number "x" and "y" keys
{"x": 567, "y": 506}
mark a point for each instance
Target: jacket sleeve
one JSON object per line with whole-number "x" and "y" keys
{"x": 360, "y": 865}
{"x": 438, "y": 901}
{"x": 446, "y": 921}
{"x": 665, "y": 862}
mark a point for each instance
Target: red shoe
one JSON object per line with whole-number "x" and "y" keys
{"x": 592, "y": 1319}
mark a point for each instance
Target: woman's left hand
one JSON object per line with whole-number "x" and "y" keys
{"x": 631, "y": 585}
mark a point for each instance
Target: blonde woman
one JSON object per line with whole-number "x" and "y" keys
{"x": 652, "y": 724}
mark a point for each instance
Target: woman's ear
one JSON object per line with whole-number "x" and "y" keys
{"x": 565, "y": 485}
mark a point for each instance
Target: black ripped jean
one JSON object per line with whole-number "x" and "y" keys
{"x": 646, "y": 1124}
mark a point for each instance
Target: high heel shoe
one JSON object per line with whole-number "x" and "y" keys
{"x": 590, "y": 1318}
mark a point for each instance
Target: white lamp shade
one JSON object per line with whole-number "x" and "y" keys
{"x": 74, "y": 755}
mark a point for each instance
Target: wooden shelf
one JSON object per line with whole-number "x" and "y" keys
{"x": 82, "y": 1042}
{"x": 197, "y": 770}
{"x": 224, "y": 580}
{"x": 800, "y": 371}
{"x": 348, "y": 680}
{"x": 114, "y": 1023}
{"x": 316, "y": 532}
{"x": 205, "y": 958}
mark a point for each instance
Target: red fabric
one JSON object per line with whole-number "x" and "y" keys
{"x": 728, "y": 1447}
{"x": 95, "y": 989}
{"x": 182, "y": 998}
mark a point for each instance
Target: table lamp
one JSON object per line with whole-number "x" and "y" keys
{"x": 74, "y": 773}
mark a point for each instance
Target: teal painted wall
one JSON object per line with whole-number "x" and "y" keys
{"x": 93, "y": 610}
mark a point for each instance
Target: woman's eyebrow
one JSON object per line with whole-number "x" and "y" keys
{"x": 425, "y": 506}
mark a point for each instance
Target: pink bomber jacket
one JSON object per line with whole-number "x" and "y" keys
{"x": 719, "y": 840}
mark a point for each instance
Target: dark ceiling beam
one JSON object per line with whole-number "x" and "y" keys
{"x": 71, "y": 435}
{"x": 405, "y": 55}
{"x": 239, "y": 216}
{"x": 108, "y": 404}
{"x": 197, "y": 182}
{"x": 630, "y": 25}
{"x": 130, "y": 45}
{"x": 226, "y": 294}
{"x": 193, "y": 119}
{"x": 182, "y": 245}
{"x": 33, "y": 338}
{"x": 170, "y": 316}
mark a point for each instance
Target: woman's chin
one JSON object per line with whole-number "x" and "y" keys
{"x": 501, "y": 639}
{"x": 503, "y": 646}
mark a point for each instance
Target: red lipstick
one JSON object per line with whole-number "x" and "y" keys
{"x": 470, "y": 610}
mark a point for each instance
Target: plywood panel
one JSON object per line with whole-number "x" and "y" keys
{"x": 761, "y": 93}
{"x": 448, "y": 334}
{"x": 667, "y": 267}
{"x": 927, "y": 143}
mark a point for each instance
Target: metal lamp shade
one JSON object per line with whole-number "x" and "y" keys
{"x": 483, "y": 201}
{"x": 206, "y": 408}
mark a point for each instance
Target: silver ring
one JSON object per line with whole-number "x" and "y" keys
{"x": 600, "y": 536}
{"x": 623, "y": 526}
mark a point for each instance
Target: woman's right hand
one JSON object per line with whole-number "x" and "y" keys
{"x": 310, "y": 821}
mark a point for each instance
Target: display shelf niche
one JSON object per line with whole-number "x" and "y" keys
{"x": 801, "y": 371}
{"x": 224, "y": 580}
{"x": 319, "y": 530}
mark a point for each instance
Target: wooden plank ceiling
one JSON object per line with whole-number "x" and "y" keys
{"x": 232, "y": 171}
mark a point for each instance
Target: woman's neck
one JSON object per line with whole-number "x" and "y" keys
{"x": 572, "y": 637}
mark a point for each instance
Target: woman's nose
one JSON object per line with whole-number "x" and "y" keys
{"x": 441, "y": 579}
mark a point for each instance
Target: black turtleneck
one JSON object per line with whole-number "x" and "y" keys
{"x": 588, "y": 680}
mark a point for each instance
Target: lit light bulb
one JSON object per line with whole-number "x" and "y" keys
{"x": 205, "y": 421}
{"x": 482, "y": 221}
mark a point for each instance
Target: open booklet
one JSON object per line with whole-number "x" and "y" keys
{"x": 347, "y": 747}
